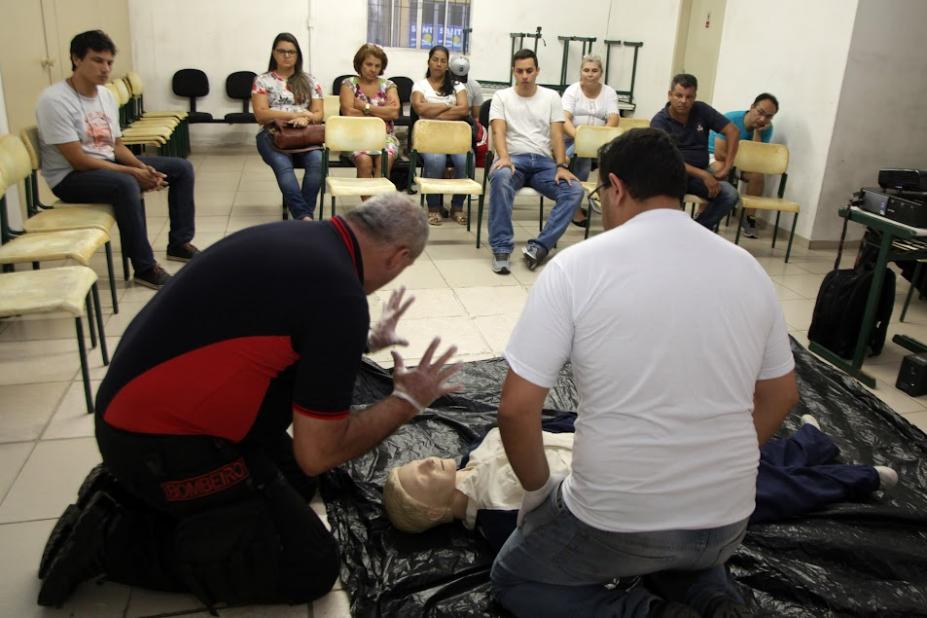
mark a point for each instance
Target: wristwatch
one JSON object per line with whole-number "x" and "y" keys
{"x": 367, "y": 108}
{"x": 565, "y": 166}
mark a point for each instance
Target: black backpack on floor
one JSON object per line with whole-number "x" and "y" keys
{"x": 839, "y": 308}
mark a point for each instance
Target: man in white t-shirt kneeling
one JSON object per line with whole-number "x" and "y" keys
{"x": 671, "y": 411}
{"x": 527, "y": 132}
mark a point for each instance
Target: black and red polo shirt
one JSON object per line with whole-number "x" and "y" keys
{"x": 271, "y": 319}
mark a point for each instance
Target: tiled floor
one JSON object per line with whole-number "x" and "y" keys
{"x": 46, "y": 443}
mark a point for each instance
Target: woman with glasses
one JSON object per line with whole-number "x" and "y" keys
{"x": 439, "y": 97}
{"x": 287, "y": 93}
{"x": 588, "y": 102}
{"x": 370, "y": 94}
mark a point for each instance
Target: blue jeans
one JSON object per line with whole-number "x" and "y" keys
{"x": 301, "y": 202}
{"x": 718, "y": 206}
{"x": 555, "y": 565}
{"x": 582, "y": 167}
{"x": 538, "y": 173}
{"x": 434, "y": 168}
{"x": 123, "y": 192}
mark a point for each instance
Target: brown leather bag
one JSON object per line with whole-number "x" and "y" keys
{"x": 296, "y": 139}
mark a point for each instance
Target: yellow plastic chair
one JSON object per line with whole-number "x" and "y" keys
{"x": 33, "y": 248}
{"x": 445, "y": 137}
{"x": 64, "y": 215}
{"x": 138, "y": 112}
{"x": 588, "y": 141}
{"x": 350, "y": 134}
{"x": 155, "y": 135}
{"x": 68, "y": 289}
{"x": 760, "y": 158}
{"x": 633, "y": 123}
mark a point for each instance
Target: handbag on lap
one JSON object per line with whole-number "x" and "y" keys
{"x": 288, "y": 138}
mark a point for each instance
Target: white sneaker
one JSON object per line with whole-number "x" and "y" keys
{"x": 807, "y": 419}
{"x": 888, "y": 478}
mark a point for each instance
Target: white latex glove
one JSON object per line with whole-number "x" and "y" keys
{"x": 383, "y": 333}
{"x": 534, "y": 499}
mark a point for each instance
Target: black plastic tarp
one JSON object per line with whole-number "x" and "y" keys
{"x": 851, "y": 559}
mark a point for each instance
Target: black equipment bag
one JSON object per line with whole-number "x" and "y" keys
{"x": 839, "y": 308}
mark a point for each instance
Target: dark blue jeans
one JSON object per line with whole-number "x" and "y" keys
{"x": 538, "y": 173}
{"x": 718, "y": 206}
{"x": 301, "y": 202}
{"x": 556, "y": 565}
{"x": 122, "y": 191}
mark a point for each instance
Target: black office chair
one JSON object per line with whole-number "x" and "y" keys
{"x": 484, "y": 113}
{"x": 192, "y": 84}
{"x": 336, "y": 85}
{"x": 238, "y": 86}
{"x": 404, "y": 88}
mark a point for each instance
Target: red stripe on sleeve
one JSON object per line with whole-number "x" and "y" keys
{"x": 325, "y": 416}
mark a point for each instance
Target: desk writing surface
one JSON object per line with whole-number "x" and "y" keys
{"x": 862, "y": 216}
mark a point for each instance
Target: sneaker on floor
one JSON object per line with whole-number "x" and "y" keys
{"x": 182, "y": 253}
{"x": 748, "y": 228}
{"x": 807, "y": 419}
{"x": 154, "y": 278}
{"x": 80, "y": 556}
{"x": 534, "y": 254}
{"x": 500, "y": 263}
{"x": 888, "y": 478}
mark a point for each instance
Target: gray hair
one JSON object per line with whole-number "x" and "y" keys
{"x": 593, "y": 58}
{"x": 393, "y": 219}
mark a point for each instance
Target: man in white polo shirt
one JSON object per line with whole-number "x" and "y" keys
{"x": 683, "y": 368}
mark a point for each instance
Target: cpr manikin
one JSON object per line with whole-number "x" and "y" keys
{"x": 794, "y": 477}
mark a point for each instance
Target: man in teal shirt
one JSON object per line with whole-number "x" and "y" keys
{"x": 754, "y": 124}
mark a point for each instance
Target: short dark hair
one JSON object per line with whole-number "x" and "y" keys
{"x": 97, "y": 40}
{"x": 765, "y": 96}
{"x": 524, "y": 54}
{"x": 647, "y": 161}
{"x": 686, "y": 80}
{"x": 369, "y": 49}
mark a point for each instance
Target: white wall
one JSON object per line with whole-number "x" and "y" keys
{"x": 881, "y": 120}
{"x": 654, "y": 22}
{"x": 797, "y": 50}
{"x": 215, "y": 36}
{"x": 222, "y": 36}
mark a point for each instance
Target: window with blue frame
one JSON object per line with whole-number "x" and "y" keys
{"x": 418, "y": 24}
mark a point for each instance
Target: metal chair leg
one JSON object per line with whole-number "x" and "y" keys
{"x": 788, "y": 250}
{"x": 90, "y": 322}
{"x": 108, "y": 247}
{"x": 85, "y": 373}
{"x": 95, "y": 291}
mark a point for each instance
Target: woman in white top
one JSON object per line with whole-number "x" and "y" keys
{"x": 438, "y": 97}
{"x": 589, "y": 102}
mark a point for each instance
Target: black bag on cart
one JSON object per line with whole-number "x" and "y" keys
{"x": 839, "y": 308}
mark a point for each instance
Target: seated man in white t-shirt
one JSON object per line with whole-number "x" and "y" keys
{"x": 527, "y": 132}
{"x": 670, "y": 413}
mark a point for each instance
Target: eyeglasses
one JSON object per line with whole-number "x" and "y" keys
{"x": 594, "y": 199}
{"x": 286, "y": 52}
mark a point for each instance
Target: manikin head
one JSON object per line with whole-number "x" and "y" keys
{"x": 418, "y": 495}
